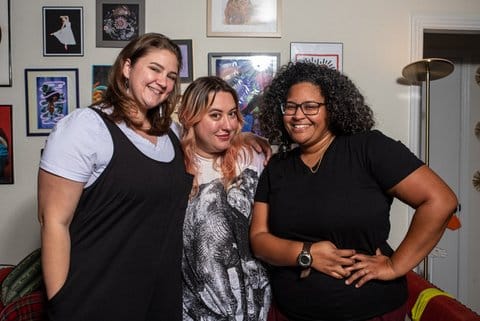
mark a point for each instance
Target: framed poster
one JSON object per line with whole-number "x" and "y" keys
{"x": 5, "y": 49}
{"x": 50, "y": 94}
{"x": 248, "y": 74}
{"x": 6, "y": 145}
{"x": 253, "y": 18}
{"x": 118, "y": 22}
{"x": 99, "y": 81}
{"x": 62, "y": 31}
{"x": 186, "y": 70}
{"x": 325, "y": 53}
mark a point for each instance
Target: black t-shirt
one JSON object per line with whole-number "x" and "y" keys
{"x": 344, "y": 202}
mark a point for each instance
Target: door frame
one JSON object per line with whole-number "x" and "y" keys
{"x": 454, "y": 24}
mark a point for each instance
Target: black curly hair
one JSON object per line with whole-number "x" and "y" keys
{"x": 347, "y": 112}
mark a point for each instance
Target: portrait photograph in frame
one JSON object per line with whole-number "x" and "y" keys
{"x": 118, "y": 22}
{"x": 6, "y": 145}
{"x": 254, "y": 18}
{"x": 322, "y": 53}
{"x": 5, "y": 45}
{"x": 248, "y": 74}
{"x": 99, "y": 81}
{"x": 50, "y": 95}
{"x": 62, "y": 31}
{"x": 186, "y": 70}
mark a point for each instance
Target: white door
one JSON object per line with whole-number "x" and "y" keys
{"x": 445, "y": 143}
{"x": 455, "y": 156}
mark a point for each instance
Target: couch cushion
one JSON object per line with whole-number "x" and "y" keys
{"x": 22, "y": 279}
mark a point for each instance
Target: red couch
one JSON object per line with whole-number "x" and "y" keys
{"x": 439, "y": 308}
{"x": 29, "y": 307}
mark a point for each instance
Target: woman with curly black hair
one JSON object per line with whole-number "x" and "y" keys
{"x": 321, "y": 212}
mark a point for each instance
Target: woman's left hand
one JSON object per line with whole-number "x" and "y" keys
{"x": 370, "y": 267}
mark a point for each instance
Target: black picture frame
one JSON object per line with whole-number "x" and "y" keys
{"x": 186, "y": 70}
{"x": 62, "y": 31}
{"x": 118, "y": 22}
{"x": 248, "y": 73}
{"x": 5, "y": 45}
{"x": 43, "y": 110}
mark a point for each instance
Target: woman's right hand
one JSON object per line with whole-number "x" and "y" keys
{"x": 328, "y": 259}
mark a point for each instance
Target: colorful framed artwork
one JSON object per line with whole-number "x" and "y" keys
{"x": 253, "y": 18}
{"x": 5, "y": 46}
{"x": 186, "y": 71}
{"x": 325, "y": 53}
{"x": 99, "y": 81}
{"x": 118, "y": 22}
{"x": 248, "y": 74}
{"x": 50, "y": 95}
{"x": 62, "y": 31}
{"x": 6, "y": 145}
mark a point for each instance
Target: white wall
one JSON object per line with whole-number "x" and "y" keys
{"x": 375, "y": 35}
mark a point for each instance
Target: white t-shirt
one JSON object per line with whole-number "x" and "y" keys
{"x": 80, "y": 146}
{"x": 222, "y": 279}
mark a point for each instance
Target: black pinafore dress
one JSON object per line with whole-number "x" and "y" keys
{"x": 126, "y": 240}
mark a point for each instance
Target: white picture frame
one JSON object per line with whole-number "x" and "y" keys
{"x": 262, "y": 18}
{"x": 325, "y": 53}
{"x": 5, "y": 50}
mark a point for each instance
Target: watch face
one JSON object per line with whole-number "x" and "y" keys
{"x": 305, "y": 259}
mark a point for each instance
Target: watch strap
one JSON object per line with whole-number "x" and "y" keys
{"x": 306, "y": 246}
{"x": 305, "y": 272}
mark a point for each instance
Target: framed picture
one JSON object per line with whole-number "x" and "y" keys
{"x": 118, "y": 22}
{"x": 99, "y": 81}
{"x": 253, "y": 18}
{"x": 50, "y": 95}
{"x": 186, "y": 71}
{"x": 248, "y": 74}
{"x": 6, "y": 145}
{"x": 325, "y": 53}
{"x": 5, "y": 51}
{"x": 63, "y": 31}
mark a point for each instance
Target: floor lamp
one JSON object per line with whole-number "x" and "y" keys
{"x": 427, "y": 70}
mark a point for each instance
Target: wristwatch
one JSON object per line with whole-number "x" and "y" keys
{"x": 304, "y": 259}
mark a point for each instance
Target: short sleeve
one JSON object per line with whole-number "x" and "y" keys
{"x": 75, "y": 144}
{"x": 256, "y": 162}
{"x": 263, "y": 186}
{"x": 389, "y": 161}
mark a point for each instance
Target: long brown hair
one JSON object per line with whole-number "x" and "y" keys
{"x": 116, "y": 95}
{"x": 196, "y": 100}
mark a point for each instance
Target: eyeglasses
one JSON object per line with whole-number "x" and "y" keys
{"x": 309, "y": 108}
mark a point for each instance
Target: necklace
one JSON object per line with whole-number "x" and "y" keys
{"x": 315, "y": 167}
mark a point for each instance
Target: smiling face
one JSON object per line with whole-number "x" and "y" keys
{"x": 152, "y": 77}
{"x": 215, "y": 131}
{"x": 307, "y": 131}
